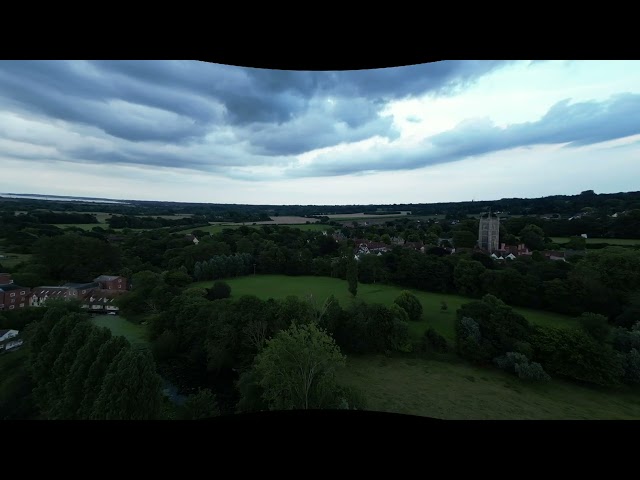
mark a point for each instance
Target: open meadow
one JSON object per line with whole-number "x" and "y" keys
{"x": 455, "y": 390}
{"x": 136, "y": 334}
{"x": 279, "y": 286}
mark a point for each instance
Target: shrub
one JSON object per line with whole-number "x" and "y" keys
{"x": 515, "y": 362}
{"x": 410, "y": 304}
{"x": 532, "y": 371}
{"x": 595, "y": 325}
{"x": 631, "y": 365}
{"x": 218, "y": 291}
{"x": 444, "y": 306}
{"x": 469, "y": 342}
{"x": 509, "y": 361}
{"x": 352, "y": 399}
{"x": 433, "y": 341}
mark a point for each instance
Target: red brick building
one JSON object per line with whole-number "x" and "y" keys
{"x": 13, "y": 296}
{"x": 111, "y": 282}
{"x": 5, "y": 278}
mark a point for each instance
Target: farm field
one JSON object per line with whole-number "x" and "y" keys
{"x": 218, "y": 227}
{"x": 279, "y": 286}
{"x": 456, "y": 390}
{"x": 610, "y": 241}
{"x": 136, "y": 334}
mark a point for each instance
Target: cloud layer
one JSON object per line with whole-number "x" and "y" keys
{"x": 267, "y": 125}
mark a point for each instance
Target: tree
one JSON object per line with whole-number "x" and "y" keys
{"x": 74, "y": 383}
{"x": 595, "y": 325}
{"x": 576, "y": 243}
{"x": 131, "y": 389}
{"x": 201, "y": 405}
{"x": 219, "y": 290}
{"x": 97, "y": 371}
{"x": 443, "y": 306}
{"x": 464, "y": 239}
{"x": 352, "y": 277}
{"x": 177, "y": 278}
{"x": 533, "y": 237}
{"x": 244, "y": 245}
{"x": 63, "y": 363}
{"x": 410, "y": 304}
{"x": 297, "y": 368}
{"x": 574, "y": 354}
{"x": 467, "y": 277}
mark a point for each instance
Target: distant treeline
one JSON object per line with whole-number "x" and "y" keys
{"x": 564, "y": 205}
{"x": 127, "y": 221}
{"x": 48, "y": 217}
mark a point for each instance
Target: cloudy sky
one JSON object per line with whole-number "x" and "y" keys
{"x": 201, "y": 132}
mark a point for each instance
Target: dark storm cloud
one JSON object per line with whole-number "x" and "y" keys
{"x": 575, "y": 125}
{"x": 181, "y": 101}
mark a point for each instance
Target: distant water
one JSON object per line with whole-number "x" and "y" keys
{"x": 60, "y": 199}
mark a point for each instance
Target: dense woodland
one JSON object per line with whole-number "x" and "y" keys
{"x": 222, "y": 351}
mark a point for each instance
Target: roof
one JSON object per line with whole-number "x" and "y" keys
{"x": 80, "y": 285}
{"x": 103, "y": 296}
{"x": 106, "y": 278}
{"x": 10, "y": 286}
{"x": 4, "y": 332}
{"x": 50, "y": 291}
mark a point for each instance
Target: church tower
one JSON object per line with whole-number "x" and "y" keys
{"x": 489, "y": 232}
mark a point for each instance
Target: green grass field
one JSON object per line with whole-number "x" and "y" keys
{"x": 610, "y": 241}
{"x": 279, "y": 286}
{"x": 459, "y": 391}
{"x": 136, "y": 334}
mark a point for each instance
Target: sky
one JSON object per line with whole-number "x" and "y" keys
{"x": 192, "y": 131}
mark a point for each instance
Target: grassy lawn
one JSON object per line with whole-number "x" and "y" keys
{"x": 12, "y": 259}
{"x": 610, "y": 241}
{"x": 279, "y": 286}
{"x": 459, "y": 391}
{"x": 136, "y": 334}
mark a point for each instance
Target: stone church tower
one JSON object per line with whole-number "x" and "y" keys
{"x": 489, "y": 232}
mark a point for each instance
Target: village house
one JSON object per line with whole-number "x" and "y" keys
{"x": 516, "y": 250}
{"x": 5, "y": 278}
{"x": 40, "y": 295}
{"x": 12, "y": 296}
{"x": 554, "y": 255}
{"x": 83, "y": 292}
{"x": 101, "y": 300}
{"x": 192, "y": 238}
